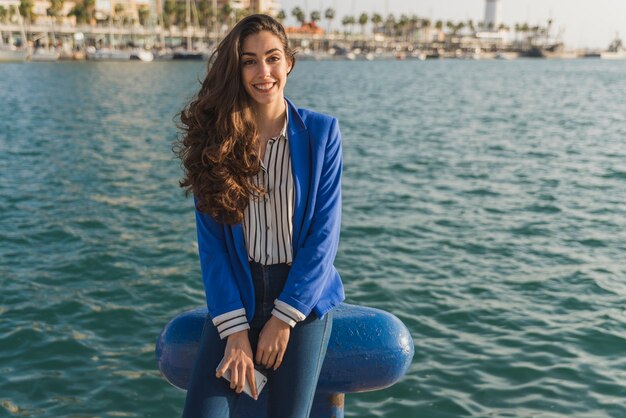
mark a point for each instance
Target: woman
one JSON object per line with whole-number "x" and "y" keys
{"x": 266, "y": 181}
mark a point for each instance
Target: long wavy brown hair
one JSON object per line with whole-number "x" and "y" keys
{"x": 219, "y": 141}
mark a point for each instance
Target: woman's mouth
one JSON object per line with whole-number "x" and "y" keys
{"x": 264, "y": 86}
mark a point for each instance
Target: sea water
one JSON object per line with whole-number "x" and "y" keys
{"x": 484, "y": 204}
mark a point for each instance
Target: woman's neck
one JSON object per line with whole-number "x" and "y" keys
{"x": 270, "y": 119}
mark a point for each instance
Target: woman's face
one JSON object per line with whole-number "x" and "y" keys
{"x": 264, "y": 68}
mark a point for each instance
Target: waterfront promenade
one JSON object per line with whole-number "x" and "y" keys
{"x": 430, "y": 44}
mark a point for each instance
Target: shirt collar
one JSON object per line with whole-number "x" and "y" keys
{"x": 283, "y": 132}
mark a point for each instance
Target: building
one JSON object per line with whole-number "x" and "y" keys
{"x": 271, "y": 7}
{"x": 493, "y": 14}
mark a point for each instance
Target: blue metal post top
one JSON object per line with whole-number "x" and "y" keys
{"x": 369, "y": 349}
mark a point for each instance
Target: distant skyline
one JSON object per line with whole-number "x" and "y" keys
{"x": 581, "y": 23}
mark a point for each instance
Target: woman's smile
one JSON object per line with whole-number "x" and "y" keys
{"x": 264, "y": 69}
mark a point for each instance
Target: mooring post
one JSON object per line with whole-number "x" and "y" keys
{"x": 369, "y": 349}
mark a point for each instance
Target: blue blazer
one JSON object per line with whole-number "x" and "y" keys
{"x": 313, "y": 283}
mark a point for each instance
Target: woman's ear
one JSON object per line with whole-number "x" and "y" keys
{"x": 290, "y": 65}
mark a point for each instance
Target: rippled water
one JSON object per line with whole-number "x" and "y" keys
{"x": 484, "y": 205}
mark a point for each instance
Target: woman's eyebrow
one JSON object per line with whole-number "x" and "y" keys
{"x": 269, "y": 51}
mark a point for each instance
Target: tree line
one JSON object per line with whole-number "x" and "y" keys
{"x": 202, "y": 14}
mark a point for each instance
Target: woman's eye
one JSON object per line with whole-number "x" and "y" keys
{"x": 273, "y": 58}
{"x": 248, "y": 62}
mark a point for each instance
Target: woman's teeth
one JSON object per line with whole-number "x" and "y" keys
{"x": 264, "y": 86}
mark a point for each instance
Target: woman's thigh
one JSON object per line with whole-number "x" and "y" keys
{"x": 292, "y": 386}
{"x": 208, "y": 396}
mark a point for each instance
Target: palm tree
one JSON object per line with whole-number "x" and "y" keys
{"x": 180, "y": 14}
{"x": 414, "y": 22}
{"x": 329, "y": 15}
{"x": 363, "y": 18}
{"x": 80, "y": 12}
{"x": 450, "y": 25}
{"x": 26, "y": 9}
{"x": 549, "y": 27}
{"x": 525, "y": 29}
{"x": 348, "y": 20}
{"x": 55, "y": 9}
{"x": 281, "y": 15}
{"x": 403, "y": 25}
{"x": 226, "y": 13}
{"x": 390, "y": 24}
{"x": 169, "y": 12}
{"x": 119, "y": 10}
{"x": 315, "y": 16}
{"x": 470, "y": 25}
{"x": 13, "y": 11}
{"x": 299, "y": 15}
{"x": 205, "y": 13}
{"x": 143, "y": 13}
{"x": 376, "y": 20}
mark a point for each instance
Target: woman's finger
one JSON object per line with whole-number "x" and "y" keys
{"x": 223, "y": 367}
{"x": 266, "y": 357}
{"x": 241, "y": 371}
{"x": 252, "y": 382}
{"x": 279, "y": 359}
{"x": 272, "y": 359}
{"x": 234, "y": 377}
{"x": 259, "y": 355}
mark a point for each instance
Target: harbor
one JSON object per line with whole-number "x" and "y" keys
{"x": 154, "y": 33}
{"x": 482, "y": 226}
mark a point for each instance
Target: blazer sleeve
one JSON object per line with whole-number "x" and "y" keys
{"x": 222, "y": 294}
{"x": 313, "y": 264}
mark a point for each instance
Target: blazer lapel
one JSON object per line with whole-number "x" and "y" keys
{"x": 300, "y": 149}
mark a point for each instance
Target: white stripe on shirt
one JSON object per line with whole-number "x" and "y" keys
{"x": 267, "y": 224}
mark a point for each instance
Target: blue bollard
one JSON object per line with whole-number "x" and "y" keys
{"x": 369, "y": 349}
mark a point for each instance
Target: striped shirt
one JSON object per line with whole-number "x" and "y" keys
{"x": 268, "y": 228}
{"x": 267, "y": 223}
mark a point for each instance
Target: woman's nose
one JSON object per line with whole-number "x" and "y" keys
{"x": 264, "y": 69}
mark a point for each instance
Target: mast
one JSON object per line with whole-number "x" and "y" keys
{"x": 214, "y": 19}
{"x": 188, "y": 23}
{"x": 159, "y": 8}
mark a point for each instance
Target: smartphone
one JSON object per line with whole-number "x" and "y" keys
{"x": 259, "y": 377}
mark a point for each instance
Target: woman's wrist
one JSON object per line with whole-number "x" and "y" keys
{"x": 239, "y": 335}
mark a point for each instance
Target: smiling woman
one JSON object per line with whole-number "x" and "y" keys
{"x": 265, "y": 69}
{"x": 266, "y": 180}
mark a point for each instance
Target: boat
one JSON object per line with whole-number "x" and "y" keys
{"x": 43, "y": 55}
{"x": 11, "y": 53}
{"x": 616, "y": 51}
{"x": 107, "y": 54}
{"x": 188, "y": 55}
{"x": 506, "y": 55}
{"x": 141, "y": 55}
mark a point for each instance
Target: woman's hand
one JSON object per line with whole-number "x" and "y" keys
{"x": 238, "y": 358}
{"x": 272, "y": 343}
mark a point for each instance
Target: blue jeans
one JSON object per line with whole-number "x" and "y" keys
{"x": 291, "y": 388}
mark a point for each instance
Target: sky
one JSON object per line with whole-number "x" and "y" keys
{"x": 580, "y": 23}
